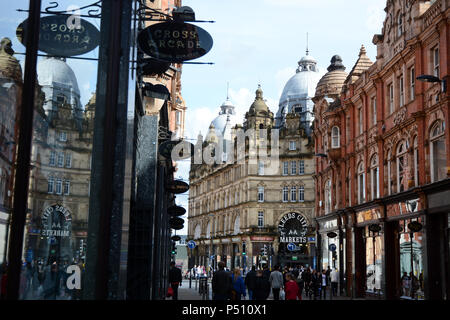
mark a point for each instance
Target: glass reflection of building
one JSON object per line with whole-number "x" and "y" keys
{"x": 10, "y": 99}
{"x": 60, "y": 178}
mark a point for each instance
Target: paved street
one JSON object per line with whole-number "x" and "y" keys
{"x": 186, "y": 293}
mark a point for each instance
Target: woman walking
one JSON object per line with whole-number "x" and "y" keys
{"x": 238, "y": 288}
{"x": 291, "y": 288}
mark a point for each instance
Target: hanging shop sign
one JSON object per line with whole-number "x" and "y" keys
{"x": 177, "y": 187}
{"x": 56, "y": 222}
{"x": 176, "y": 221}
{"x": 415, "y": 226}
{"x": 174, "y": 41}
{"x": 59, "y": 36}
{"x": 175, "y": 238}
{"x": 332, "y": 234}
{"x": 176, "y": 149}
{"x": 177, "y": 227}
{"x": 293, "y": 228}
{"x": 176, "y": 211}
{"x": 375, "y": 227}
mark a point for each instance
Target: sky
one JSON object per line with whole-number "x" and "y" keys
{"x": 260, "y": 42}
{"x": 255, "y": 42}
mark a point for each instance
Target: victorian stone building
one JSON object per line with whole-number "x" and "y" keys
{"x": 382, "y": 180}
{"x": 249, "y": 210}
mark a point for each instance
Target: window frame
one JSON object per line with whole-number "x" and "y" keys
{"x": 335, "y": 137}
{"x": 260, "y": 194}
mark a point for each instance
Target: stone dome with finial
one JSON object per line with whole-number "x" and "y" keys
{"x": 9, "y": 66}
{"x": 332, "y": 82}
{"x": 259, "y": 106}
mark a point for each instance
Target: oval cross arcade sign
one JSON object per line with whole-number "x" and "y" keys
{"x": 57, "y": 36}
{"x": 175, "y": 41}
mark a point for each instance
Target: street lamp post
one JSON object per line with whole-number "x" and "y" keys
{"x": 434, "y": 79}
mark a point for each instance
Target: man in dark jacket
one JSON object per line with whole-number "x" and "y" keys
{"x": 175, "y": 279}
{"x": 221, "y": 283}
{"x": 250, "y": 280}
{"x": 261, "y": 290}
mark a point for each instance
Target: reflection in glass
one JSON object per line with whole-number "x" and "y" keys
{"x": 411, "y": 261}
{"x": 374, "y": 270}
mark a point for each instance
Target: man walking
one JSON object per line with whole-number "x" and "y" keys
{"x": 221, "y": 283}
{"x": 175, "y": 279}
{"x": 334, "y": 281}
{"x": 276, "y": 282}
{"x": 324, "y": 284}
{"x": 250, "y": 280}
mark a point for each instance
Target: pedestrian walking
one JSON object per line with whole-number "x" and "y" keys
{"x": 238, "y": 289}
{"x": 291, "y": 288}
{"x": 175, "y": 279}
{"x": 261, "y": 290}
{"x": 250, "y": 280}
{"x": 406, "y": 284}
{"x": 300, "y": 281}
{"x": 276, "y": 282}
{"x": 52, "y": 282}
{"x": 306, "y": 276}
{"x": 221, "y": 283}
{"x": 334, "y": 281}
{"x": 324, "y": 285}
{"x": 315, "y": 284}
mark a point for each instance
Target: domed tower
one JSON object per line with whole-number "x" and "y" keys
{"x": 60, "y": 85}
{"x": 221, "y": 126}
{"x": 259, "y": 116}
{"x": 298, "y": 92}
{"x": 330, "y": 85}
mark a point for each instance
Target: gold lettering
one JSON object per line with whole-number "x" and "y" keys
{"x": 166, "y": 34}
{"x": 54, "y": 27}
{"x": 185, "y": 34}
{"x": 162, "y": 44}
{"x": 66, "y": 38}
{"x": 176, "y": 34}
{"x": 158, "y": 33}
{"x": 180, "y": 44}
{"x": 171, "y": 44}
{"x": 58, "y": 37}
{"x": 193, "y": 34}
{"x": 62, "y": 28}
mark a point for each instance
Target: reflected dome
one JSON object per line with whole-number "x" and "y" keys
{"x": 60, "y": 85}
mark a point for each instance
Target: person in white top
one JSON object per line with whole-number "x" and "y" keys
{"x": 334, "y": 281}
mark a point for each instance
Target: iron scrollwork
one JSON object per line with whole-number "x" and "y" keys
{"x": 94, "y": 12}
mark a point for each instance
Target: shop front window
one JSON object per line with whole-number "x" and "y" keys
{"x": 374, "y": 262}
{"x": 66, "y": 102}
{"x": 411, "y": 243}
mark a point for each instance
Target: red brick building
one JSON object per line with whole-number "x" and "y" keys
{"x": 383, "y": 160}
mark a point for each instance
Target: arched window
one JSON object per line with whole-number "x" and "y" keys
{"x": 437, "y": 152}
{"x": 208, "y": 230}
{"x": 301, "y": 194}
{"x": 402, "y": 163}
{"x": 374, "y": 177}
{"x": 198, "y": 231}
{"x": 389, "y": 172}
{"x": 327, "y": 196}
{"x": 361, "y": 184}
{"x": 335, "y": 137}
{"x": 416, "y": 162}
{"x": 349, "y": 182}
{"x": 237, "y": 225}
{"x": 293, "y": 194}
{"x": 285, "y": 194}
{"x": 399, "y": 24}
